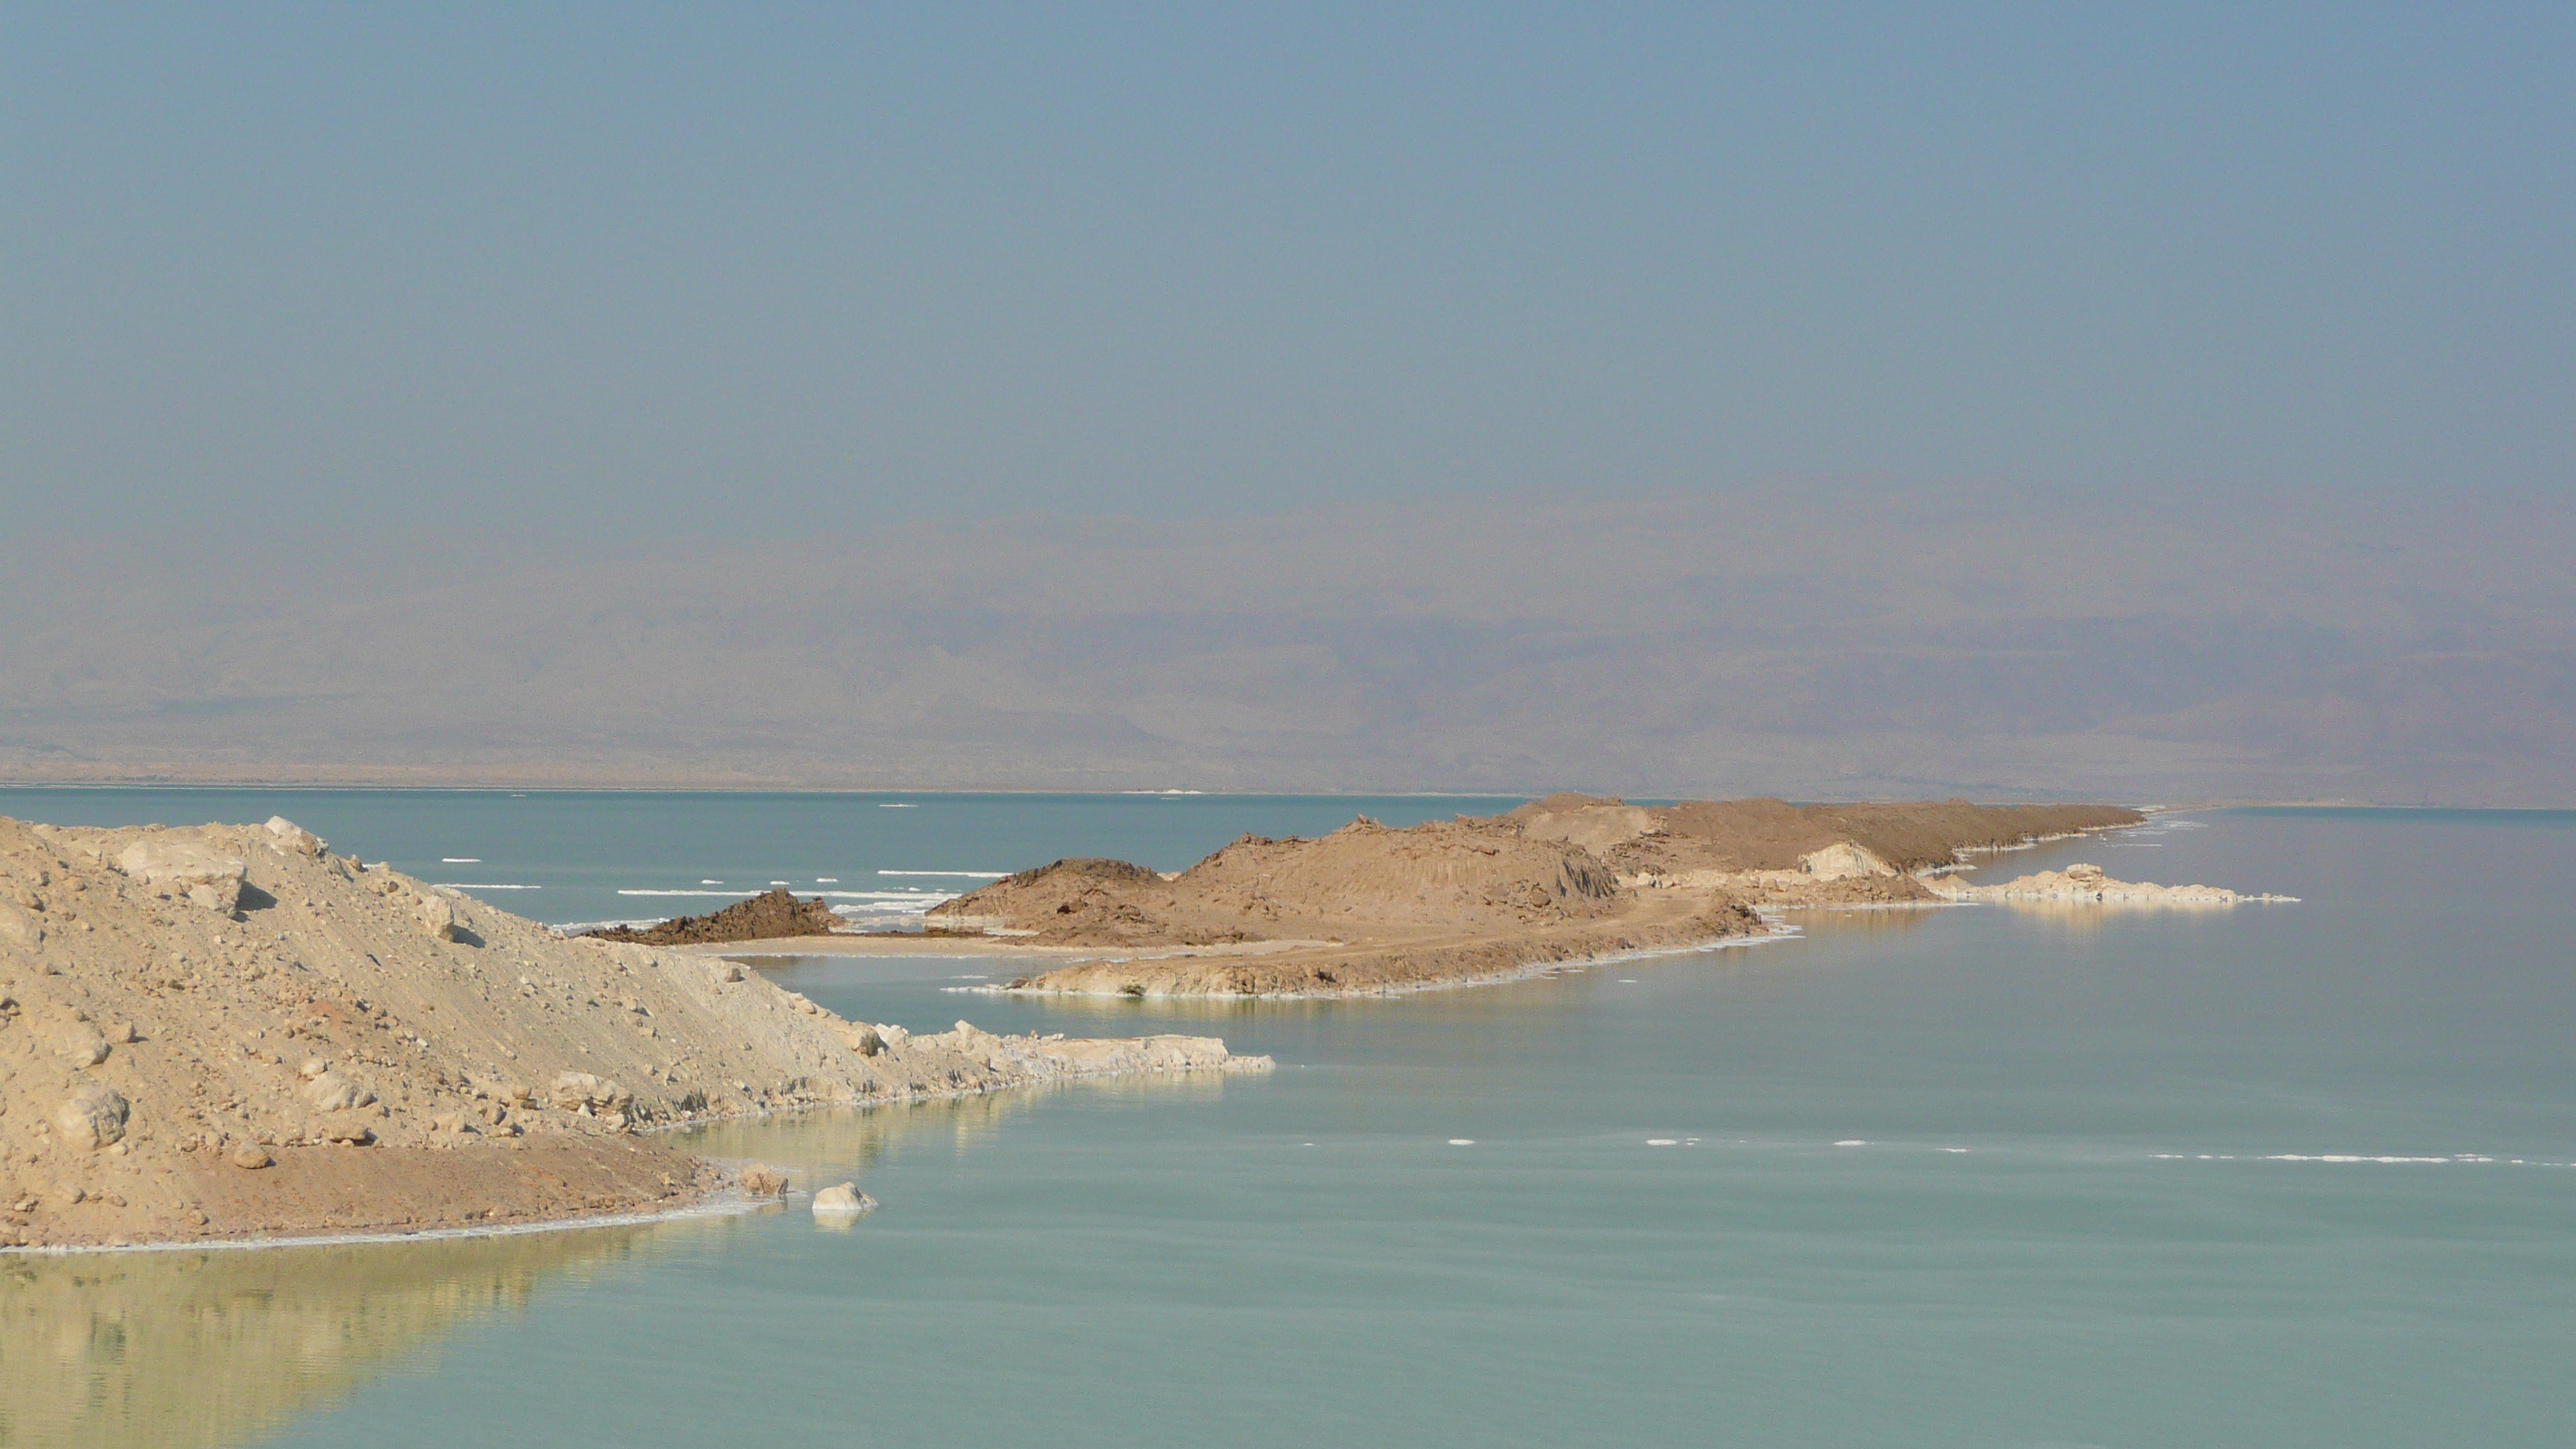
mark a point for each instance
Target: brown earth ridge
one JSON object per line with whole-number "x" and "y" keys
{"x": 772, "y": 915}
{"x": 233, "y": 1032}
{"x": 1369, "y": 910}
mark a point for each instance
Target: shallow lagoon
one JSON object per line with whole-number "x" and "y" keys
{"x": 2056, "y": 1216}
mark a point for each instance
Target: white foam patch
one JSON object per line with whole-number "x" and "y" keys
{"x": 460, "y": 860}
{"x": 1462, "y": 1141}
{"x": 882, "y": 805}
{"x": 1663, "y": 1142}
{"x": 1853, "y": 1142}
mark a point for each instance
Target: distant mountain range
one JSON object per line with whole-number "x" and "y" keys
{"x": 1817, "y": 641}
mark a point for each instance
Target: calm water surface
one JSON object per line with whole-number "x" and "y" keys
{"x": 1960, "y": 1177}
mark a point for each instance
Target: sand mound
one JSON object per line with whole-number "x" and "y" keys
{"x": 232, "y": 1030}
{"x": 769, "y": 916}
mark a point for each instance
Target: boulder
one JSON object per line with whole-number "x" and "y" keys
{"x": 843, "y": 1201}
{"x": 186, "y": 867}
{"x": 331, "y": 1092}
{"x": 18, "y": 928}
{"x": 438, "y": 918}
{"x": 762, "y": 1180}
{"x": 860, "y": 1037}
{"x": 251, "y": 1157}
{"x": 294, "y": 837}
{"x": 92, "y": 1117}
{"x": 82, "y": 1046}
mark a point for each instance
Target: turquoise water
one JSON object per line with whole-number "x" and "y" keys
{"x": 1959, "y": 1177}
{"x": 584, "y": 856}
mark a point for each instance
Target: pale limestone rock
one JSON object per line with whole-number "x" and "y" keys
{"x": 860, "y": 1037}
{"x": 18, "y": 928}
{"x": 92, "y": 1117}
{"x": 438, "y": 918}
{"x": 294, "y": 837}
{"x": 81, "y": 1046}
{"x": 191, "y": 867}
{"x": 842, "y": 1201}
{"x": 251, "y": 1157}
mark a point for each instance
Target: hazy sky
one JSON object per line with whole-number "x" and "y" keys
{"x": 778, "y": 268}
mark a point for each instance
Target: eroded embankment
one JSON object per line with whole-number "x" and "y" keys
{"x": 231, "y": 1031}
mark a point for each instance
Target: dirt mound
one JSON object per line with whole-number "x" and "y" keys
{"x": 765, "y": 917}
{"x": 1465, "y": 874}
{"x": 1568, "y": 877}
{"x": 231, "y": 1030}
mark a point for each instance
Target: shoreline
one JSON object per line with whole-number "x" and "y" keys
{"x": 1527, "y": 971}
{"x": 726, "y": 1199}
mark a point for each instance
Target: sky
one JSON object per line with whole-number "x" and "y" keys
{"x": 2165, "y": 400}
{"x": 643, "y": 271}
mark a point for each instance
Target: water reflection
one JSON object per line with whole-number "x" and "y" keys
{"x": 817, "y": 1148}
{"x": 223, "y": 1347}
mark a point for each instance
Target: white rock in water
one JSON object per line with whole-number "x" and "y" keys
{"x": 843, "y": 1201}
{"x": 93, "y": 1117}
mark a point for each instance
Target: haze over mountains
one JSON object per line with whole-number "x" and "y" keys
{"x": 1815, "y": 640}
